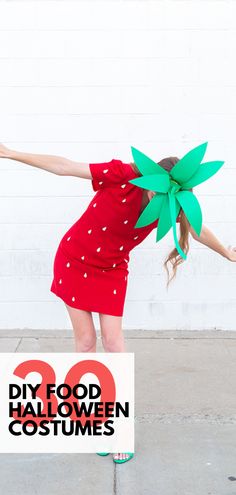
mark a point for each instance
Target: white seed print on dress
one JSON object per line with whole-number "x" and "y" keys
{"x": 85, "y": 275}
{"x": 89, "y": 231}
{"x": 68, "y": 264}
{"x": 60, "y": 281}
{"x": 104, "y": 228}
{"x": 124, "y": 200}
{"x": 126, "y": 221}
{"x": 82, "y": 257}
{"x": 98, "y": 249}
{"x": 121, "y": 248}
{"x": 105, "y": 171}
{"x": 123, "y": 186}
{"x": 95, "y": 204}
{"x": 114, "y": 291}
{"x": 68, "y": 238}
{"x": 73, "y": 298}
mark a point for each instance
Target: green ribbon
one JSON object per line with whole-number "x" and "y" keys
{"x": 172, "y": 190}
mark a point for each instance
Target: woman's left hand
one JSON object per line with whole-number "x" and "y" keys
{"x": 232, "y": 253}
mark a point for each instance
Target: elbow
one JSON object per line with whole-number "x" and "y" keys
{"x": 193, "y": 234}
{"x": 62, "y": 170}
{"x": 200, "y": 237}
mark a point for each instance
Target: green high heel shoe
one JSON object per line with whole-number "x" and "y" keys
{"x": 103, "y": 453}
{"x": 119, "y": 461}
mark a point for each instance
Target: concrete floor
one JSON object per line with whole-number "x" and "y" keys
{"x": 185, "y": 421}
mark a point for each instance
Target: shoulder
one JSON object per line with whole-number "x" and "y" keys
{"x": 111, "y": 172}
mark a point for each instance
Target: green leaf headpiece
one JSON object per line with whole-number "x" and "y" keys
{"x": 173, "y": 190}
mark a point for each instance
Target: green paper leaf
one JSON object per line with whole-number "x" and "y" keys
{"x": 187, "y": 173}
{"x": 172, "y": 201}
{"x": 187, "y": 166}
{"x": 145, "y": 164}
{"x": 151, "y": 212}
{"x": 159, "y": 183}
{"x": 164, "y": 223}
{"x": 191, "y": 208}
{"x": 205, "y": 171}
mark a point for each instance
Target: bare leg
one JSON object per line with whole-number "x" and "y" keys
{"x": 113, "y": 341}
{"x": 84, "y": 329}
{"x": 111, "y": 333}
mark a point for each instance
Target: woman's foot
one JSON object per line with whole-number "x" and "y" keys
{"x": 122, "y": 457}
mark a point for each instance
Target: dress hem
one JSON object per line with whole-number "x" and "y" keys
{"x": 83, "y": 309}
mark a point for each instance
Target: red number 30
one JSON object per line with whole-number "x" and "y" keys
{"x": 105, "y": 377}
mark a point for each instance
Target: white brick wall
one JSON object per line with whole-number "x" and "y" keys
{"x": 87, "y": 80}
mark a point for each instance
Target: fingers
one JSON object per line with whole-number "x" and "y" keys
{"x": 232, "y": 248}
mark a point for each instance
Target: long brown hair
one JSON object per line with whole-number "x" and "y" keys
{"x": 173, "y": 258}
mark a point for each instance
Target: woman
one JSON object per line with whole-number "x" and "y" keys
{"x": 91, "y": 262}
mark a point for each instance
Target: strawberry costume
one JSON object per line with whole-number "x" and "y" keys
{"x": 91, "y": 262}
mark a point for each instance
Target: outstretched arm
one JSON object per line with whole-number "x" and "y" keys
{"x": 210, "y": 240}
{"x": 55, "y": 164}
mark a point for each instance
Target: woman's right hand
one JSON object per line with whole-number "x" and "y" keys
{"x": 4, "y": 151}
{"x": 231, "y": 253}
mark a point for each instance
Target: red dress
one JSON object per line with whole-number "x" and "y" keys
{"x": 91, "y": 262}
